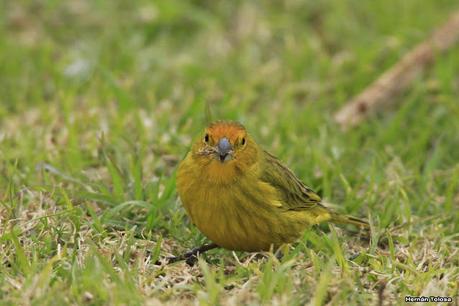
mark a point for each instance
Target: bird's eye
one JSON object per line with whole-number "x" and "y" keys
{"x": 206, "y": 138}
{"x": 243, "y": 141}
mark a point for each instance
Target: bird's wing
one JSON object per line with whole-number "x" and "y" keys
{"x": 295, "y": 195}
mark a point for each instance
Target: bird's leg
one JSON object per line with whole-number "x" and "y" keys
{"x": 191, "y": 256}
{"x": 282, "y": 251}
{"x": 279, "y": 254}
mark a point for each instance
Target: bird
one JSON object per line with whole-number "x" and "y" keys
{"x": 243, "y": 198}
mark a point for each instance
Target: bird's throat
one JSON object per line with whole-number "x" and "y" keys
{"x": 219, "y": 172}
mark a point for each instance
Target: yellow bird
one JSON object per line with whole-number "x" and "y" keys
{"x": 243, "y": 198}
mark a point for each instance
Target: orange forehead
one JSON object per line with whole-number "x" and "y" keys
{"x": 230, "y": 130}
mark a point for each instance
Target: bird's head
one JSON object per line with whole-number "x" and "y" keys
{"x": 225, "y": 148}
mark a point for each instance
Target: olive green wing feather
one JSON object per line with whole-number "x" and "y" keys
{"x": 295, "y": 195}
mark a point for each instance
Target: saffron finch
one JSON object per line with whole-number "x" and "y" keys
{"x": 243, "y": 198}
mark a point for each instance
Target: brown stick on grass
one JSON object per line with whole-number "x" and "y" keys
{"x": 382, "y": 92}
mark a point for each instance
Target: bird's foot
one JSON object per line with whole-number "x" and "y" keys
{"x": 191, "y": 257}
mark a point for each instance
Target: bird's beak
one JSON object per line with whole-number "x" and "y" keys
{"x": 224, "y": 149}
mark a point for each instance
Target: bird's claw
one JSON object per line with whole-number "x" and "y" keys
{"x": 191, "y": 257}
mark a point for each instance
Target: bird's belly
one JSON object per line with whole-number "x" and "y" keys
{"x": 239, "y": 221}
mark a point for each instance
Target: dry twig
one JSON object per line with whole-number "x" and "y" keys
{"x": 381, "y": 93}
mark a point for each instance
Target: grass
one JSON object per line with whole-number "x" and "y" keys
{"x": 100, "y": 101}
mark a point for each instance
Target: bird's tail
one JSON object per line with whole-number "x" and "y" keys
{"x": 343, "y": 219}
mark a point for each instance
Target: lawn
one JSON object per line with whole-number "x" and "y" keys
{"x": 100, "y": 100}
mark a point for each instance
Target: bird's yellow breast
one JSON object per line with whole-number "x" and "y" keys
{"x": 237, "y": 212}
